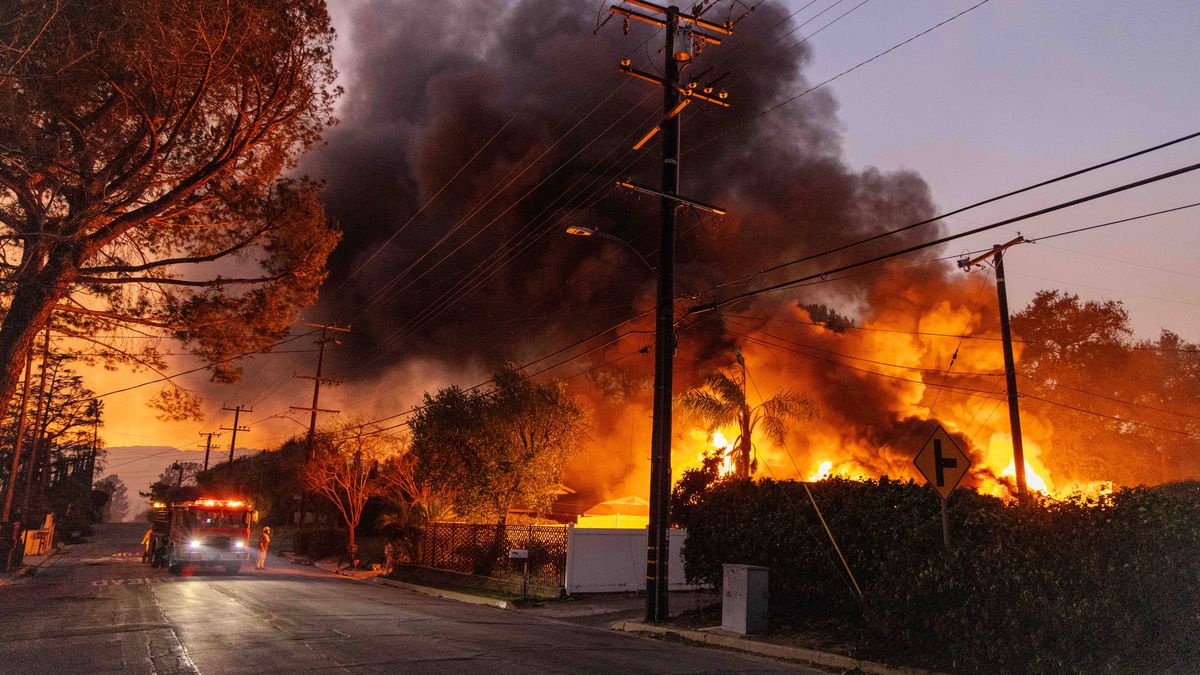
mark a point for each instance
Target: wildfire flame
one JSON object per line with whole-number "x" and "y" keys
{"x": 1032, "y": 479}
{"x": 719, "y": 445}
{"x": 824, "y": 469}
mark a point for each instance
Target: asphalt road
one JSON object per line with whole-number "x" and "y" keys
{"x": 96, "y": 608}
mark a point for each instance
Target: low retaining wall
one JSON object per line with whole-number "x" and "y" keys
{"x": 417, "y": 574}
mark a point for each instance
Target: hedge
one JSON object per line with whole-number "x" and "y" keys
{"x": 1082, "y": 585}
{"x": 320, "y": 542}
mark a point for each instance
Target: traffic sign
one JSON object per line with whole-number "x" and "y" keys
{"x": 942, "y": 462}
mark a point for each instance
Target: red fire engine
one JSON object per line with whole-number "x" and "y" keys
{"x": 204, "y": 532}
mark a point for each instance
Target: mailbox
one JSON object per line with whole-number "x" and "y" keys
{"x": 519, "y": 554}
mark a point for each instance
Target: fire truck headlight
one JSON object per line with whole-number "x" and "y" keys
{"x": 195, "y": 543}
{"x": 239, "y": 544}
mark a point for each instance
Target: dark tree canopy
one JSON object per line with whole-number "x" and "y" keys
{"x": 142, "y": 144}
{"x": 1082, "y": 356}
{"x": 499, "y": 448}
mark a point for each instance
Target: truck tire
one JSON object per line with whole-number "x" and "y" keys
{"x": 175, "y": 568}
{"x": 232, "y": 567}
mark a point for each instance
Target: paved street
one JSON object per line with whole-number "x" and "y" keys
{"x": 96, "y": 608}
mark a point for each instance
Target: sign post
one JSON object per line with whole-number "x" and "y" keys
{"x": 522, "y": 554}
{"x": 943, "y": 464}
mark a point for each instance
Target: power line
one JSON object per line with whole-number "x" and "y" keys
{"x": 966, "y": 390}
{"x": 839, "y": 75}
{"x": 864, "y": 359}
{"x": 1123, "y": 420}
{"x": 207, "y": 366}
{"x": 942, "y": 240}
{"x": 989, "y": 200}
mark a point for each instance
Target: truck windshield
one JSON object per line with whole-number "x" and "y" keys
{"x": 216, "y": 518}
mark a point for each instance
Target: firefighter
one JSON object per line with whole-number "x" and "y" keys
{"x": 148, "y": 542}
{"x": 389, "y": 556}
{"x": 264, "y": 540}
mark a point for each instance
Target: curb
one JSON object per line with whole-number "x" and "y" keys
{"x": 740, "y": 643}
{"x": 448, "y": 595}
{"x": 26, "y": 570}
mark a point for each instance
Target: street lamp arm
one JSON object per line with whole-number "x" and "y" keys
{"x": 581, "y": 231}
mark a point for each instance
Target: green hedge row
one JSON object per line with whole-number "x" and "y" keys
{"x": 1084, "y": 585}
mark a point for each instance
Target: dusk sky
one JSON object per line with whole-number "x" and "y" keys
{"x": 1013, "y": 92}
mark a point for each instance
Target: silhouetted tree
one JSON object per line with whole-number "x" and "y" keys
{"x": 118, "y": 498}
{"x": 721, "y": 401}
{"x": 346, "y": 469}
{"x": 497, "y": 448}
{"x": 141, "y": 149}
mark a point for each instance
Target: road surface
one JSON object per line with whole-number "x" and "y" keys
{"x": 96, "y": 608}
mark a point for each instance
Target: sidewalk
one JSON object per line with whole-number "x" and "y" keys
{"x": 28, "y": 566}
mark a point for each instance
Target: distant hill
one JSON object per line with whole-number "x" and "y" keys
{"x": 140, "y": 465}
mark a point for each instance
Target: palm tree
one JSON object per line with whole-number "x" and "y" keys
{"x": 721, "y": 401}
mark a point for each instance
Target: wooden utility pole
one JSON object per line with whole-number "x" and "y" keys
{"x": 94, "y": 409}
{"x": 237, "y": 413}
{"x": 1010, "y": 370}
{"x": 208, "y": 436}
{"x": 682, "y": 35}
{"x": 18, "y": 438}
{"x": 317, "y": 380}
{"x": 316, "y": 397}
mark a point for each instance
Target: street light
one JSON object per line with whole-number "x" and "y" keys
{"x": 581, "y": 231}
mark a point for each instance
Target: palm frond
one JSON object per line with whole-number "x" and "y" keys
{"x": 725, "y": 387}
{"x": 709, "y": 408}
{"x": 787, "y": 405}
{"x": 774, "y": 429}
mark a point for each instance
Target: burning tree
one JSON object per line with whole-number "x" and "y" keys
{"x": 499, "y": 448}
{"x": 722, "y": 401}
{"x": 348, "y": 467}
{"x": 141, "y": 148}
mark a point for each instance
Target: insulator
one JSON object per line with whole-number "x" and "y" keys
{"x": 692, "y": 85}
{"x": 625, "y": 61}
{"x": 708, "y": 89}
{"x": 683, "y": 44}
{"x": 722, "y": 94}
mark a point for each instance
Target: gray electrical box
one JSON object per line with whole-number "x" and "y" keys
{"x": 744, "y": 599}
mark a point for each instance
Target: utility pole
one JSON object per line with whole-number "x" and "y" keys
{"x": 208, "y": 436}
{"x": 91, "y": 464}
{"x": 317, "y": 380}
{"x": 237, "y": 413}
{"x": 682, "y": 35}
{"x": 18, "y": 438}
{"x": 1010, "y": 370}
{"x": 316, "y": 397}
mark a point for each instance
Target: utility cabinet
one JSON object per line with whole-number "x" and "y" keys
{"x": 744, "y": 599}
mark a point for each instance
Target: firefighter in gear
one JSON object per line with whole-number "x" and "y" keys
{"x": 264, "y": 540}
{"x": 148, "y": 543}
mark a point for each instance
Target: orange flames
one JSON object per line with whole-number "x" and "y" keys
{"x": 878, "y": 389}
{"x": 717, "y": 444}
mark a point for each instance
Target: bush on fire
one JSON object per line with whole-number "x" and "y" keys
{"x": 1081, "y": 585}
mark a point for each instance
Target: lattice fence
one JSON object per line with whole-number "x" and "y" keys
{"x": 482, "y": 550}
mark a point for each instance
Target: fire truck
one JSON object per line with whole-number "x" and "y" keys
{"x": 201, "y": 532}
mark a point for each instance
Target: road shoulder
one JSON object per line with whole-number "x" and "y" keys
{"x": 719, "y": 638}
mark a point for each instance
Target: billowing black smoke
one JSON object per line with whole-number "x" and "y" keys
{"x": 429, "y": 86}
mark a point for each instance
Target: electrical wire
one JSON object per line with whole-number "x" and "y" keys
{"x": 838, "y": 76}
{"x": 942, "y": 240}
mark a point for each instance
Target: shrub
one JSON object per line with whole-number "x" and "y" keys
{"x": 1105, "y": 585}
{"x": 320, "y": 542}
